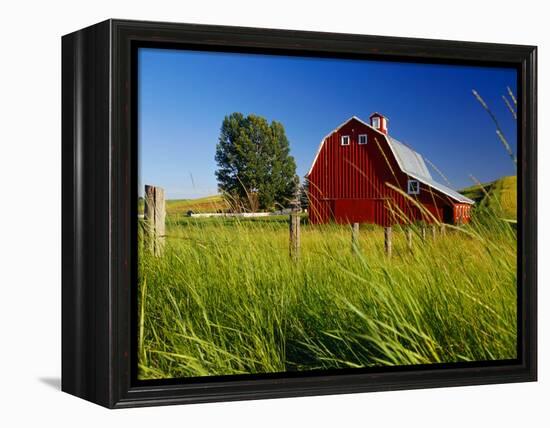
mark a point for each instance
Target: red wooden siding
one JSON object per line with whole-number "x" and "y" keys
{"x": 462, "y": 213}
{"x": 348, "y": 184}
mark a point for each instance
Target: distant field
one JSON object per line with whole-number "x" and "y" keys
{"x": 499, "y": 195}
{"x": 210, "y": 204}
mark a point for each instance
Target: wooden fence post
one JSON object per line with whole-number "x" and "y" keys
{"x": 387, "y": 240}
{"x": 443, "y": 229}
{"x": 423, "y": 232}
{"x": 294, "y": 243}
{"x": 154, "y": 216}
{"x": 409, "y": 237}
{"x": 355, "y": 237}
{"x": 433, "y": 232}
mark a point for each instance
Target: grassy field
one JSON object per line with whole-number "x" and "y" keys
{"x": 226, "y": 299}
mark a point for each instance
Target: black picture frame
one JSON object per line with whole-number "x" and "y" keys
{"x": 99, "y": 161}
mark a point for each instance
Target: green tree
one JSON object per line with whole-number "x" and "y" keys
{"x": 255, "y": 167}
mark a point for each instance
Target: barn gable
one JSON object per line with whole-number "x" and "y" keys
{"x": 329, "y": 134}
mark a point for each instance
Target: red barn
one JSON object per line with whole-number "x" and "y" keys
{"x": 362, "y": 174}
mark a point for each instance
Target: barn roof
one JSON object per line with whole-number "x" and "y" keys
{"x": 412, "y": 163}
{"x": 409, "y": 161}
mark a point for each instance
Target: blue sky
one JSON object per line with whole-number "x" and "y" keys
{"x": 184, "y": 96}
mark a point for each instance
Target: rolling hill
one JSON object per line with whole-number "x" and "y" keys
{"x": 500, "y": 195}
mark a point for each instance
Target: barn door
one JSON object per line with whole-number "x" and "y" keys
{"x": 448, "y": 214}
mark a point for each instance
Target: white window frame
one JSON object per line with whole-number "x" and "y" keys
{"x": 344, "y": 138}
{"x": 410, "y": 191}
{"x": 359, "y": 139}
{"x": 376, "y": 122}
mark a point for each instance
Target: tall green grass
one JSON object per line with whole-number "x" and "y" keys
{"x": 225, "y": 298}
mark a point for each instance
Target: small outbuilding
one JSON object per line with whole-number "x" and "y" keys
{"x": 362, "y": 174}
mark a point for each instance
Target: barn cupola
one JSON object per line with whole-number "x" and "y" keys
{"x": 379, "y": 122}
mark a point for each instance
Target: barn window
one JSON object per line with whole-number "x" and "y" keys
{"x": 376, "y": 122}
{"x": 413, "y": 187}
{"x": 362, "y": 138}
{"x": 345, "y": 140}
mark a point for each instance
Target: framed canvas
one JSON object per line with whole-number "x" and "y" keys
{"x": 252, "y": 213}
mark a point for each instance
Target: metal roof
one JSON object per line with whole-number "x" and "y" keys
{"x": 412, "y": 163}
